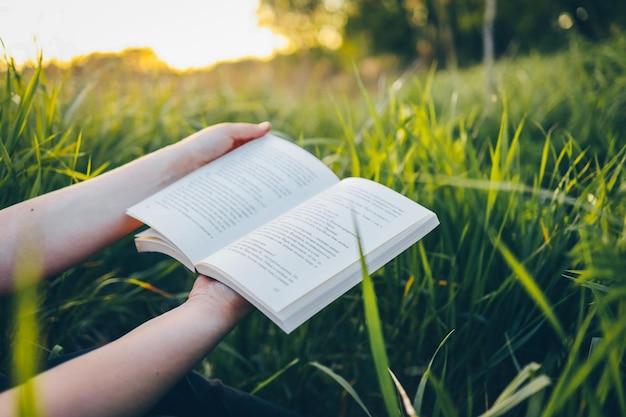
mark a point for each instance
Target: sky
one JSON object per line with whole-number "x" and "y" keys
{"x": 183, "y": 33}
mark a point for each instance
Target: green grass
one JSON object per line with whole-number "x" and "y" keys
{"x": 513, "y": 304}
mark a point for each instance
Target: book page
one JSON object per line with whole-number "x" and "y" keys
{"x": 233, "y": 195}
{"x": 287, "y": 258}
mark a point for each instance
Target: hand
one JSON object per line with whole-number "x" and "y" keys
{"x": 214, "y": 141}
{"x": 217, "y": 296}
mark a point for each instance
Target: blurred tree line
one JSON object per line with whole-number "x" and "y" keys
{"x": 452, "y": 32}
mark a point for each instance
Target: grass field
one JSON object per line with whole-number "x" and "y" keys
{"x": 513, "y": 305}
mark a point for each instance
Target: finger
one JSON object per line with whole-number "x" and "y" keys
{"x": 241, "y": 133}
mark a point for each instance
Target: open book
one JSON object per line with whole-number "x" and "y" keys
{"x": 275, "y": 224}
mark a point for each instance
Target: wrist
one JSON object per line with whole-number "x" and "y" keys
{"x": 210, "y": 297}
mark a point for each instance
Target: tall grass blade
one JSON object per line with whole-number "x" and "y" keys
{"x": 27, "y": 332}
{"x": 496, "y": 175}
{"x": 444, "y": 404}
{"x": 5, "y": 121}
{"x": 513, "y": 395}
{"x": 575, "y": 374}
{"x": 26, "y": 102}
{"x": 355, "y": 163}
{"x": 544, "y": 161}
{"x": 566, "y": 383}
{"x": 406, "y": 402}
{"x": 374, "y": 117}
{"x": 419, "y": 395}
{"x": 531, "y": 287}
{"x": 344, "y": 384}
{"x": 278, "y": 373}
{"x": 376, "y": 339}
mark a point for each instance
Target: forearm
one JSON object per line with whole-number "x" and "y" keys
{"x": 128, "y": 376}
{"x": 65, "y": 226}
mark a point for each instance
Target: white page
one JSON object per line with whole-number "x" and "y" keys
{"x": 233, "y": 195}
{"x": 287, "y": 258}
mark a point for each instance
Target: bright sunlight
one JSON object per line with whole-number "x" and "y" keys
{"x": 184, "y": 34}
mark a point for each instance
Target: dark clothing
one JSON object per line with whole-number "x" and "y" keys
{"x": 197, "y": 396}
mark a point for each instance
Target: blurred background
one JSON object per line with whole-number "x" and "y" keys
{"x": 196, "y": 34}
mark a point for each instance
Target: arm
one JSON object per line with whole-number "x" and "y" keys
{"x": 128, "y": 376}
{"x": 52, "y": 232}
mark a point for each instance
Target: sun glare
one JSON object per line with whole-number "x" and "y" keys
{"x": 184, "y": 34}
